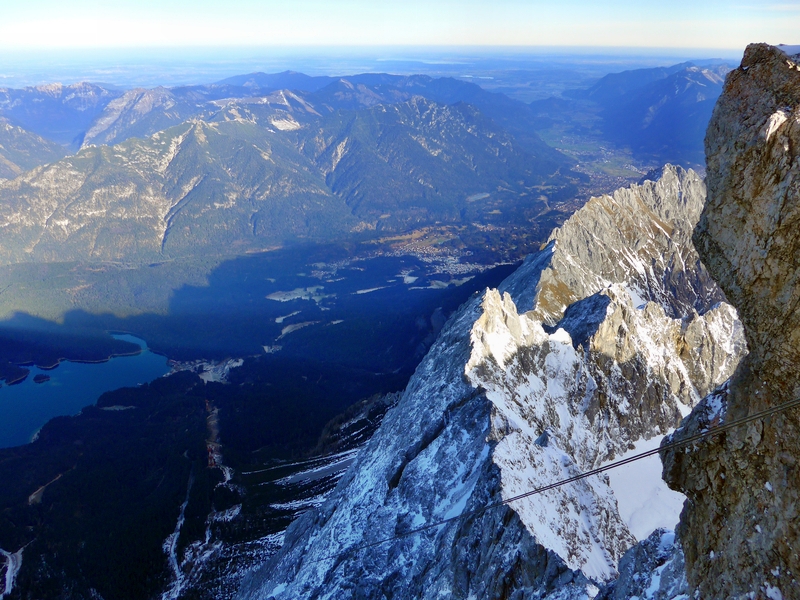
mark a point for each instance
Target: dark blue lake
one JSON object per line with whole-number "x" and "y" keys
{"x": 26, "y": 406}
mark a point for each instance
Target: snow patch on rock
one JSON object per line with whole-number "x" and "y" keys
{"x": 558, "y": 371}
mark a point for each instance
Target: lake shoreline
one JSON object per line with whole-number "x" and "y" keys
{"x": 26, "y": 365}
{"x": 44, "y": 394}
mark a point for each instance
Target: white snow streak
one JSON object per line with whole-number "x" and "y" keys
{"x": 13, "y": 565}
{"x": 171, "y": 547}
{"x": 773, "y": 124}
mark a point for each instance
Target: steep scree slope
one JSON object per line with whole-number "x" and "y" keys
{"x": 22, "y": 150}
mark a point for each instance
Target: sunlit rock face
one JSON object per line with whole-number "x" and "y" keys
{"x": 639, "y": 236}
{"x": 740, "y": 529}
{"x": 525, "y": 387}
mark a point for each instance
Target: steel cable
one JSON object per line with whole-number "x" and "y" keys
{"x": 716, "y": 430}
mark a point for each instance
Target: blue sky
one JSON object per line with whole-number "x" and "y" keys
{"x": 149, "y": 23}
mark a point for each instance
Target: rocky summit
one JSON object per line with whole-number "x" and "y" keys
{"x": 640, "y": 236}
{"x": 592, "y": 346}
{"x": 739, "y": 527}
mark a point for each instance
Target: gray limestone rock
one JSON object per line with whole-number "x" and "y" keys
{"x": 639, "y": 235}
{"x": 739, "y": 528}
{"x": 652, "y": 570}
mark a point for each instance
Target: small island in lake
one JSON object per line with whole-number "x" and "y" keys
{"x": 46, "y": 345}
{"x": 40, "y": 378}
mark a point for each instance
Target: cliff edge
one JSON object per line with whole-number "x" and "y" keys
{"x": 739, "y": 527}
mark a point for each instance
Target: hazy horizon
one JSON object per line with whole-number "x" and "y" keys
{"x": 150, "y": 67}
{"x": 149, "y": 43}
{"x": 152, "y": 23}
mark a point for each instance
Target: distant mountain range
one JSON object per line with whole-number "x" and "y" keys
{"x": 234, "y": 166}
{"x": 21, "y": 150}
{"x": 260, "y": 160}
{"x": 660, "y": 113}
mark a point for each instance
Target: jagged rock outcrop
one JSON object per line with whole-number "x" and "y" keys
{"x": 505, "y": 403}
{"x": 652, "y": 570}
{"x": 139, "y": 113}
{"x": 740, "y": 527}
{"x": 639, "y": 235}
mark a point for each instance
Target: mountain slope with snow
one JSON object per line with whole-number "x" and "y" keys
{"x": 523, "y": 389}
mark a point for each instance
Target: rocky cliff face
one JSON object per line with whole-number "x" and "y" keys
{"x": 739, "y": 528}
{"x": 139, "y": 113}
{"x": 640, "y": 236}
{"x": 523, "y": 388}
